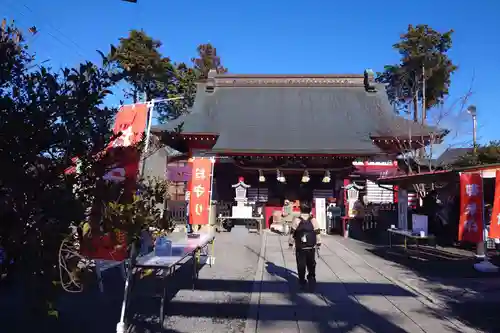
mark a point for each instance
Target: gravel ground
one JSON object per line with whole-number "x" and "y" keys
{"x": 219, "y": 302}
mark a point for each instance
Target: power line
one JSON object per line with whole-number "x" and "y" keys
{"x": 56, "y": 29}
{"x": 76, "y": 48}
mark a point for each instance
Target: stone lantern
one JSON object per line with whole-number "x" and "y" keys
{"x": 242, "y": 209}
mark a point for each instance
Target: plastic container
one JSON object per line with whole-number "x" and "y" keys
{"x": 163, "y": 247}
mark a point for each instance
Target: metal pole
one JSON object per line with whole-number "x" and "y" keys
{"x": 148, "y": 128}
{"x": 121, "y": 326}
{"x": 212, "y": 160}
{"x": 474, "y": 130}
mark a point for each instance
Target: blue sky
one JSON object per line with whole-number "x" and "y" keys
{"x": 282, "y": 37}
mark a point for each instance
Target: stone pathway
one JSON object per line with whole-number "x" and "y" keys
{"x": 220, "y": 300}
{"x": 252, "y": 288}
{"x": 440, "y": 290}
{"x": 472, "y": 299}
{"x": 351, "y": 296}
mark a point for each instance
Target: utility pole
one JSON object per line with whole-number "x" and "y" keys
{"x": 473, "y": 112}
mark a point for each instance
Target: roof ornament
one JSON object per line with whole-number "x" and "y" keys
{"x": 353, "y": 185}
{"x": 368, "y": 77}
{"x": 212, "y": 73}
{"x": 210, "y": 82}
{"x": 241, "y": 183}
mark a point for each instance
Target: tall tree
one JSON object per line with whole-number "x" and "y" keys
{"x": 47, "y": 118}
{"x": 423, "y": 76}
{"x": 142, "y": 65}
{"x": 182, "y": 85}
{"x": 183, "y": 82}
{"x": 207, "y": 59}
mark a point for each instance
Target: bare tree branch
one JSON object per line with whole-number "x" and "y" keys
{"x": 454, "y": 118}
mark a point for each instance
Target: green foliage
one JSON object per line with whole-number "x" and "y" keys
{"x": 421, "y": 47}
{"x": 47, "y": 118}
{"x": 145, "y": 210}
{"x": 138, "y": 60}
{"x": 207, "y": 60}
{"x": 485, "y": 154}
{"x": 142, "y": 65}
{"x": 182, "y": 85}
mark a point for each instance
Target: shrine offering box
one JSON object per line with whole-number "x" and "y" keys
{"x": 242, "y": 211}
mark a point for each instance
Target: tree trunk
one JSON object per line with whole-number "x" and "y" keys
{"x": 415, "y": 108}
{"x": 424, "y": 110}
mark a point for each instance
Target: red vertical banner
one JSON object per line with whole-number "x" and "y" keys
{"x": 495, "y": 215}
{"x": 471, "y": 208}
{"x": 131, "y": 122}
{"x": 201, "y": 180}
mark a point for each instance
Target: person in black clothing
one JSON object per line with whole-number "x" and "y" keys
{"x": 305, "y": 233}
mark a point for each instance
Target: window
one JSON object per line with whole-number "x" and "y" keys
{"x": 378, "y": 195}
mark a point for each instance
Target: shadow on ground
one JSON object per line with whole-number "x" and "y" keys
{"x": 100, "y": 312}
{"x": 432, "y": 262}
{"x": 343, "y": 312}
{"x": 457, "y": 275}
{"x": 452, "y": 270}
{"x": 91, "y": 310}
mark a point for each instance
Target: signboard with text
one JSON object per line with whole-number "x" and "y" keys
{"x": 199, "y": 203}
{"x": 321, "y": 212}
{"x": 130, "y": 122}
{"x": 471, "y": 208}
{"x": 121, "y": 158}
{"x": 495, "y": 215}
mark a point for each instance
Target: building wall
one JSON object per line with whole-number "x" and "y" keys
{"x": 226, "y": 174}
{"x": 154, "y": 165}
{"x": 176, "y": 173}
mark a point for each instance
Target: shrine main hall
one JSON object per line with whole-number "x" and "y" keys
{"x": 290, "y": 136}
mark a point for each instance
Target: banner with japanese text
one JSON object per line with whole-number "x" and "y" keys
{"x": 199, "y": 201}
{"x": 131, "y": 122}
{"x": 471, "y": 208}
{"x": 121, "y": 159}
{"x": 495, "y": 214}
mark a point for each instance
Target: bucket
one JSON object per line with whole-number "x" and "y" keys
{"x": 163, "y": 247}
